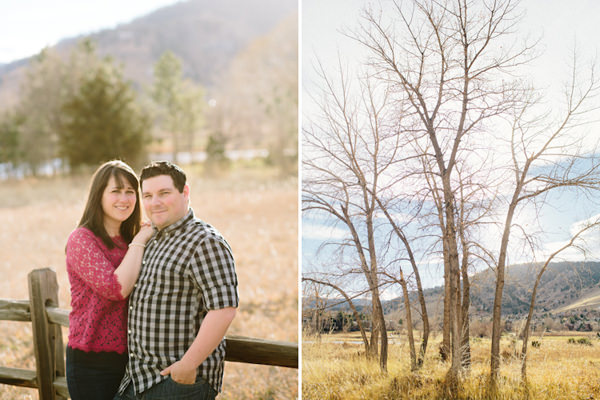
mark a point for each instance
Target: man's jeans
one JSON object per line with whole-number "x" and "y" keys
{"x": 171, "y": 390}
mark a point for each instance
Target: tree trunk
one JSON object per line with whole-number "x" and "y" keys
{"x": 526, "y": 333}
{"x": 496, "y": 328}
{"x": 379, "y": 317}
{"x": 466, "y": 303}
{"x": 445, "y": 346}
{"x": 361, "y": 328}
{"x": 373, "y": 349}
{"x": 317, "y": 316}
{"x": 454, "y": 278}
{"x": 466, "y": 345}
{"x": 534, "y": 294}
{"x": 409, "y": 325}
{"x": 497, "y": 310}
{"x": 426, "y": 328}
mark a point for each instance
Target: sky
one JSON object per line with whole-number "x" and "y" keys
{"x": 27, "y": 26}
{"x": 559, "y": 24}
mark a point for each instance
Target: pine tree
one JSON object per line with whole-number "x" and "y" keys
{"x": 180, "y": 102}
{"x": 10, "y": 130}
{"x": 104, "y": 121}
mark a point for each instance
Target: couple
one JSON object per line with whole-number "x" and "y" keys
{"x": 179, "y": 275}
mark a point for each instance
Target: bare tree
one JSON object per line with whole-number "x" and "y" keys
{"x": 472, "y": 207}
{"x": 346, "y": 154}
{"x": 414, "y": 362}
{"x": 475, "y": 198}
{"x": 445, "y": 61}
{"x": 350, "y": 172}
{"x": 450, "y": 72}
{"x": 398, "y": 230}
{"x": 348, "y": 299}
{"x": 436, "y": 195}
{"x": 571, "y": 243}
{"x": 314, "y": 294}
{"x": 545, "y": 156}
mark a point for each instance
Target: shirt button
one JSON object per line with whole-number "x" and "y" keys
{"x": 131, "y": 307}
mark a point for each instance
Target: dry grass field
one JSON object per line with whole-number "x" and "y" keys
{"x": 254, "y": 209}
{"x": 335, "y": 369}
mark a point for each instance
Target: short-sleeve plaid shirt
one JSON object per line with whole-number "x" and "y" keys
{"x": 187, "y": 270}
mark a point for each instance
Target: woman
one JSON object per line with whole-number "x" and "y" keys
{"x": 104, "y": 256}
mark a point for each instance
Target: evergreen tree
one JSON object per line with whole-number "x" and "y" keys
{"x": 50, "y": 81}
{"x": 180, "y": 102}
{"x": 10, "y": 130}
{"x": 104, "y": 121}
{"x": 45, "y": 86}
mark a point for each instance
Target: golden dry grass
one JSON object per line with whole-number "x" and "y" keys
{"x": 254, "y": 209}
{"x": 556, "y": 370}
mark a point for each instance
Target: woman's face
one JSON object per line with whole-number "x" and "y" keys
{"x": 118, "y": 202}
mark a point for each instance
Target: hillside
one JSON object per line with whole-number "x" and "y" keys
{"x": 565, "y": 287}
{"x": 205, "y": 34}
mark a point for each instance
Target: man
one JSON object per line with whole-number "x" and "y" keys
{"x": 184, "y": 299}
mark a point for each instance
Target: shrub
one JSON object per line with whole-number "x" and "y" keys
{"x": 582, "y": 341}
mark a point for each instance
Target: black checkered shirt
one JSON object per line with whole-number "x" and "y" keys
{"x": 187, "y": 270}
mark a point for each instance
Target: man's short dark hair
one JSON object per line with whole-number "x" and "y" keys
{"x": 157, "y": 168}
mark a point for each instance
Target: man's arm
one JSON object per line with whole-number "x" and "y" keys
{"x": 213, "y": 328}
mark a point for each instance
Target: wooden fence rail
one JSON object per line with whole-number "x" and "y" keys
{"x": 46, "y": 319}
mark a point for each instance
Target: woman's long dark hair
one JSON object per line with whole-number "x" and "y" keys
{"x": 93, "y": 215}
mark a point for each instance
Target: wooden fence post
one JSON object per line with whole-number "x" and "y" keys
{"x": 47, "y": 337}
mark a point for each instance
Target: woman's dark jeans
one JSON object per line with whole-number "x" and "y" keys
{"x": 94, "y": 376}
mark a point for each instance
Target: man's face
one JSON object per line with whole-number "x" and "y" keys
{"x": 163, "y": 203}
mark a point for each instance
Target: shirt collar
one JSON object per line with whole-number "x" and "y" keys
{"x": 177, "y": 224}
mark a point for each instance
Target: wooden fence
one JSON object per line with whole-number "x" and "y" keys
{"x": 46, "y": 319}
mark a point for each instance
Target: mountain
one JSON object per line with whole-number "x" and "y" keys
{"x": 566, "y": 287}
{"x": 205, "y": 34}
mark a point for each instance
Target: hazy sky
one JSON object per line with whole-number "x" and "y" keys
{"x": 27, "y": 26}
{"x": 559, "y": 23}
